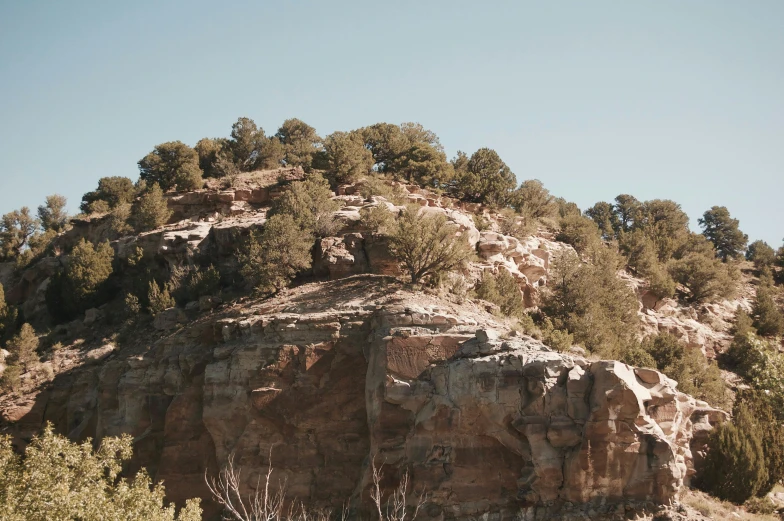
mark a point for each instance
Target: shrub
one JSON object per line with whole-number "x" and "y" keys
{"x": 592, "y": 303}
{"x": 693, "y": 372}
{"x": 760, "y": 505}
{"x": 83, "y": 283}
{"x": 309, "y": 203}
{"x": 579, "y": 232}
{"x": 761, "y": 254}
{"x": 377, "y": 219}
{"x": 58, "y": 479}
{"x": 119, "y": 220}
{"x": 734, "y": 468}
{"x": 501, "y": 289}
{"x": 768, "y": 419}
{"x": 151, "y": 211}
{"x": 8, "y": 316}
{"x": 188, "y": 284}
{"x": 426, "y": 245}
{"x": 705, "y": 278}
{"x": 642, "y": 258}
{"x": 11, "y": 379}
{"x": 172, "y": 164}
{"x": 273, "y": 257}
{"x": 481, "y": 223}
{"x": 132, "y": 305}
{"x": 768, "y": 318}
{"x": 534, "y": 200}
{"x": 515, "y": 225}
{"x": 23, "y": 347}
{"x": 159, "y": 298}
{"x": 636, "y": 356}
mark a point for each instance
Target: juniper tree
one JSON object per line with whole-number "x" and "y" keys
{"x": 723, "y": 231}
{"x": 427, "y": 245}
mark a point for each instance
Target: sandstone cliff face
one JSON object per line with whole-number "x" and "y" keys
{"x": 328, "y": 376}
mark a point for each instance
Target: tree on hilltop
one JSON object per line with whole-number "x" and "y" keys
{"x": 172, "y": 164}
{"x": 723, "y": 231}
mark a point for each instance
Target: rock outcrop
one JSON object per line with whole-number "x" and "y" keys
{"x": 320, "y": 381}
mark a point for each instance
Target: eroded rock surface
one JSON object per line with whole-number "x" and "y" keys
{"x": 330, "y": 375}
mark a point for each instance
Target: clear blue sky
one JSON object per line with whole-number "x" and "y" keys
{"x": 664, "y": 99}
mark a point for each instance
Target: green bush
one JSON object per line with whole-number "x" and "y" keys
{"x": 579, "y": 232}
{"x": 58, "y": 479}
{"x": 589, "y": 301}
{"x": 768, "y": 419}
{"x": 83, "y": 284}
{"x": 8, "y": 316}
{"x": 309, "y": 203}
{"x": 272, "y": 258}
{"x": 159, "y": 298}
{"x": 705, "y": 278}
{"x": 501, "y": 289}
{"x": 761, "y": 254}
{"x": 11, "y": 379}
{"x": 734, "y": 468}
{"x": 426, "y": 245}
{"x": 377, "y": 219}
{"x": 188, "y": 284}
{"x": 768, "y": 318}
{"x": 150, "y": 211}
{"x": 515, "y": 225}
{"x": 695, "y": 374}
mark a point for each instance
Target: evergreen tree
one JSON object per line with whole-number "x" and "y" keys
{"x": 172, "y": 164}
{"x": 485, "y": 179}
{"x": 722, "y": 230}
{"x": 112, "y": 191}
{"x": 273, "y": 257}
{"x": 300, "y": 143}
{"x": 734, "y": 468}
{"x": 768, "y": 318}
{"x": 16, "y": 228}
{"x": 52, "y": 214}
{"x": 761, "y": 254}
{"x": 309, "y": 203}
{"x": 347, "y": 158}
{"x": 159, "y": 298}
{"x": 151, "y": 211}
{"x": 603, "y": 214}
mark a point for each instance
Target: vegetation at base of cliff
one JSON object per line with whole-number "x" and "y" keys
{"x": 59, "y": 479}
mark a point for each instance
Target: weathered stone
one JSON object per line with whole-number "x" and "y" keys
{"x": 169, "y": 319}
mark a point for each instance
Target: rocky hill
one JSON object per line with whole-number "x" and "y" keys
{"x": 352, "y": 365}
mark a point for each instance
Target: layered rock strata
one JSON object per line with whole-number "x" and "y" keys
{"x": 330, "y": 377}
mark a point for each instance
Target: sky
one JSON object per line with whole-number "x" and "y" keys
{"x": 665, "y": 99}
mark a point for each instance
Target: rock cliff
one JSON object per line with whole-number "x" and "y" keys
{"x": 328, "y": 376}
